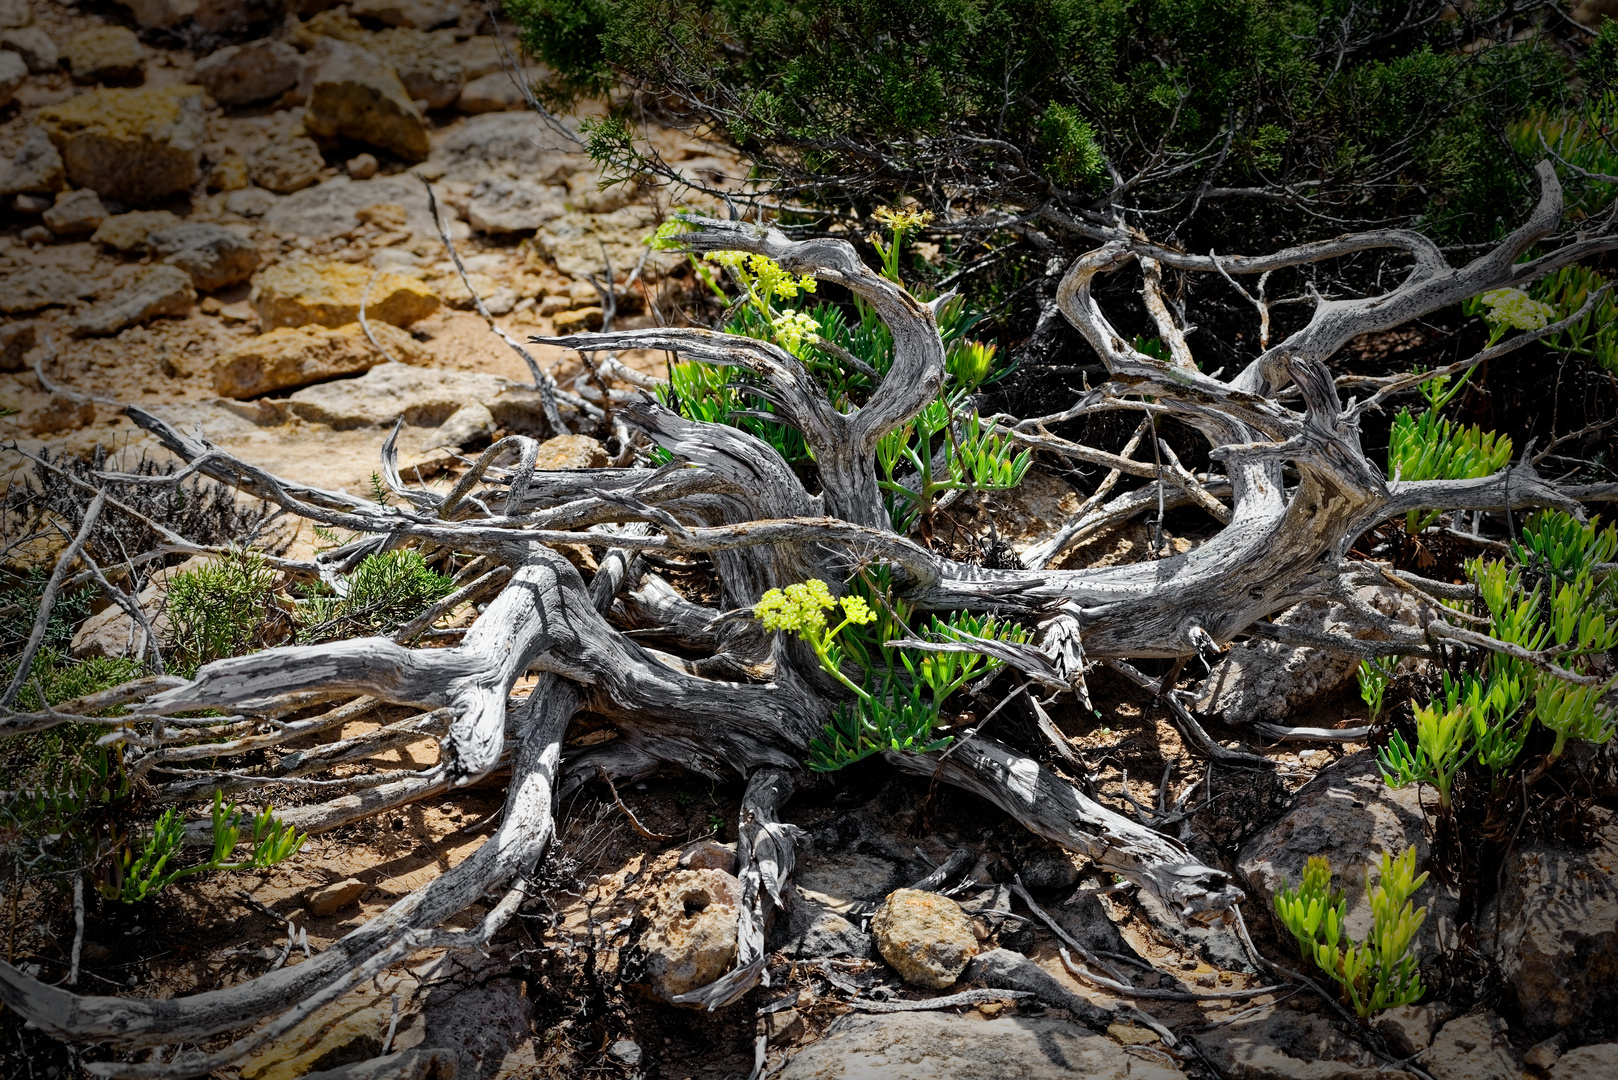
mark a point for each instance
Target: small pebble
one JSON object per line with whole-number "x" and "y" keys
{"x": 362, "y": 167}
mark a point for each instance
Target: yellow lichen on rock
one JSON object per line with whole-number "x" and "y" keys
{"x": 328, "y": 294}
{"x": 925, "y": 937}
{"x": 288, "y": 357}
{"x": 130, "y": 145}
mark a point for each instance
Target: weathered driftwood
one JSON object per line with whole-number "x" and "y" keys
{"x": 750, "y": 704}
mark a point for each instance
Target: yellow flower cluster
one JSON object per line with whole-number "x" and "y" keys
{"x": 1515, "y": 308}
{"x": 802, "y": 608}
{"x": 793, "y": 328}
{"x": 762, "y": 276}
{"x": 902, "y": 220}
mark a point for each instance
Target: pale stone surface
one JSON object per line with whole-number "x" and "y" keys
{"x": 15, "y": 13}
{"x": 328, "y": 294}
{"x": 925, "y": 937}
{"x": 1409, "y": 1028}
{"x": 1588, "y": 1063}
{"x": 215, "y": 257}
{"x": 577, "y": 321}
{"x": 130, "y": 145}
{"x": 424, "y": 397}
{"x": 1349, "y": 815}
{"x": 709, "y": 855}
{"x": 111, "y": 54}
{"x": 496, "y": 91}
{"x": 40, "y": 287}
{"x": 334, "y": 207}
{"x": 288, "y": 357}
{"x": 34, "y": 45}
{"x": 160, "y": 14}
{"x": 128, "y": 233}
{"x": 691, "y": 937}
{"x": 330, "y": 899}
{"x": 13, "y": 73}
{"x": 501, "y": 206}
{"x": 941, "y": 1046}
{"x": 76, "y": 213}
{"x": 570, "y": 452}
{"x": 418, "y": 1064}
{"x": 1473, "y": 1047}
{"x": 471, "y": 423}
{"x": 361, "y": 166}
{"x": 286, "y": 165}
{"x": 228, "y": 175}
{"x": 355, "y": 95}
{"x": 222, "y": 16}
{"x": 256, "y": 71}
{"x": 158, "y": 291}
{"x": 417, "y": 14}
{"x": 509, "y": 141}
{"x": 1553, "y": 929}
{"x": 575, "y": 240}
{"x": 428, "y": 64}
{"x": 36, "y": 169}
{"x": 807, "y": 928}
{"x": 59, "y": 413}
{"x": 1284, "y": 1044}
{"x": 16, "y": 339}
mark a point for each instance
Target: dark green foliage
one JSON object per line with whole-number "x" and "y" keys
{"x": 219, "y": 609}
{"x": 384, "y": 592}
{"x": 1364, "y": 111}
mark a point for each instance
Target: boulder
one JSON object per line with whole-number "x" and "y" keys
{"x": 286, "y": 165}
{"x": 427, "y": 63}
{"x": 215, "y": 257}
{"x": 1473, "y": 1047}
{"x": 1350, "y": 815}
{"x": 40, "y": 287}
{"x": 157, "y": 291}
{"x": 130, "y": 145}
{"x": 106, "y": 54}
{"x": 330, "y": 899}
{"x": 471, "y": 424}
{"x": 286, "y": 358}
{"x": 76, "y": 213}
{"x": 13, "y": 73}
{"x": 942, "y": 1046}
{"x": 34, "y": 45}
{"x": 256, "y": 71}
{"x": 160, "y": 14}
{"x": 36, "y": 169}
{"x": 497, "y": 91}
{"x": 1285, "y": 1044}
{"x": 574, "y": 241}
{"x": 16, "y": 340}
{"x": 333, "y": 208}
{"x": 128, "y": 233}
{"x": 1553, "y": 930}
{"x": 925, "y": 937}
{"x": 1587, "y": 1062}
{"x": 14, "y": 13}
{"x": 329, "y": 294}
{"x": 690, "y": 938}
{"x": 416, "y": 14}
{"x": 355, "y": 95}
{"x": 514, "y": 142}
{"x": 423, "y": 397}
{"x": 502, "y": 206}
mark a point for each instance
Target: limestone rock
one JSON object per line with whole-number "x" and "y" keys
{"x": 39, "y": 287}
{"x": 1545, "y": 1054}
{"x": 328, "y": 294}
{"x": 37, "y": 169}
{"x": 34, "y": 45}
{"x": 510, "y": 141}
{"x": 15, "y": 13}
{"x": 224, "y": 16}
{"x": 113, "y": 633}
{"x": 333, "y": 208}
{"x": 13, "y": 73}
{"x": 355, "y": 95}
{"x": 575, "y": 240}
{"x": 76, "y": 213}
{"x": 58, "y": 413}
{"x": 106, "y": 54}
{"x": 1587, "y": 1063}
{"x": 428, "y": 64}
{"x": 1350, "y": 815}
{"x": 228, "y": 175}
{"x": 160, "y": 14}
{"x": 418, "y": 1064}
{"x": 416, "y": 14}
{"x": 127, "y": 233}
{"x": 512, "y": 206}
{"x": 286, "y": 165}
{"x": 470, "y": 424}
{"x": 130, "y": 145}
{"x": 158, "y": 291}
{"x": 496, "y": 91}
{"x": 807, "y": 928}
{"x": 482, "y": 55}
{"x": 1553, "y": 929}
{"x": 1285, "y": 1044}
{"x": 925, "y": 937}
{"x": 423, "y": 397}
{"x": 256, "y": 71}
{"x": 709, "y": 855}
{"x": 330, "y": 899}
{"x": 361, "y": 166}
{"x": 1004, "y": 969}
{"x": 215, "y": 257}
{"x": 1473, "y": 1047}
{"x": 251, "y": 202}
{"x": 940, "y": 1046}
{"x": 570, "y": 452}
{"x": 691, "y": 937}
{"x": 16, "y": 339}
{"x": 1409, "y": 1028}
{"x": 577, "y": 321}
{"x": 584, "y": 192}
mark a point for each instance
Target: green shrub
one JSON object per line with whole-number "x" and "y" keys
{"x": 384, "y": 592}
{"x": 218, "y": 609}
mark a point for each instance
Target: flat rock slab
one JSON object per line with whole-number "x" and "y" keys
{"x": 941, "y": 1046}
{"x": 131, "y": 145}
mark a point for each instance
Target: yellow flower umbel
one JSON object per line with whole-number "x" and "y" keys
{"x": 801, "y": 609}
{"x": 899, "y": 223}
{"x": 1512, "y": 309}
